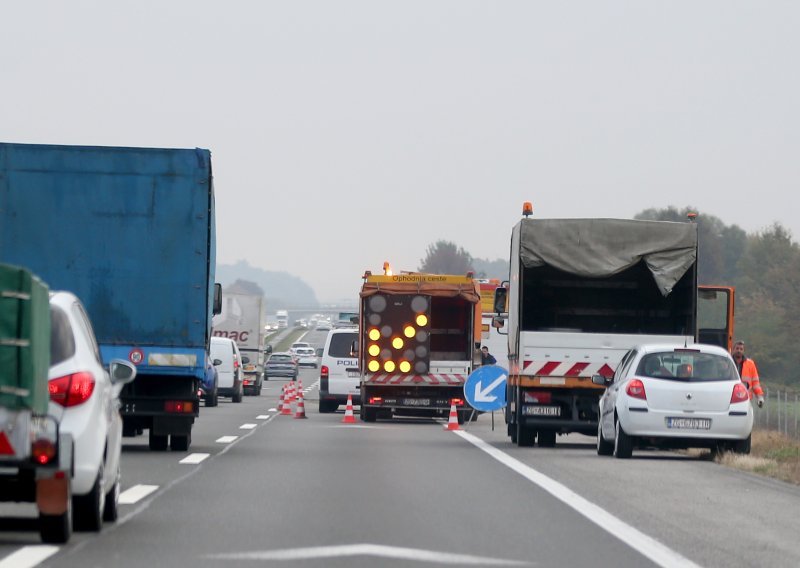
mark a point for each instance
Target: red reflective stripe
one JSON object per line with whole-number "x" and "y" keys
{"x": 5, "y": 445}
{"x": 548, "y": 368}
{"x": 525, "y": 364}
{"x": 606, "y": 371}
{"x": 576, "y": 369}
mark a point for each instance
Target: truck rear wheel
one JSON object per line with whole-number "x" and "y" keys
{"x": 525, "y": 436}
{"x": 547, "y": 438}
{"x": 180, "y": 443}
{"x": 369, "y": 414}
{"x": 157, "y": 443}
{"x": 56, "y": 529}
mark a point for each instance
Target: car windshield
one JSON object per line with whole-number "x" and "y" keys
{"x": 280, "y": 359}
{"x": 687, "y": 365}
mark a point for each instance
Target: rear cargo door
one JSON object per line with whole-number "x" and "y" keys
{"x": 715, "y": 315}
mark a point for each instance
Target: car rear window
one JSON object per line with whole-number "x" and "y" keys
{"x": 62, "y": 342}
{"x": 280, "y": 359}
{"x": 687, "y": 366}
{"x": 341, "y": 344}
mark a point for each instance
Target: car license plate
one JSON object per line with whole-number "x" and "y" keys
{"x": 537, "y": 410}
{"x": 689, "y": 423}
{"x": 416, "y": 402}
{"x": 352, "y": 374}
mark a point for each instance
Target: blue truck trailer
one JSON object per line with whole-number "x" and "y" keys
{"x": 131, "y": 232}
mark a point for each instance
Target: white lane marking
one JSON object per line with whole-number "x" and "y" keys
{"x": 194, "y": 458}
{"x": 136, "y": 493}
{"x": 226, "y": 439}
{"x": 247, "y": 426}
{"x": 645, "y": 545}
{"x": 28, "y": 556}
{"x": 415, "y": 554}
{"x": 272, "y": 410}
{"x": 262, "y": 417}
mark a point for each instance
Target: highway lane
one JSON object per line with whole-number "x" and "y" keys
{"x": 408, "y": 491}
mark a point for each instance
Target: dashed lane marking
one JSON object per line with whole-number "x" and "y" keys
{"x": 28, "y": 556}
{"x": 226, "y": 439}
{"x": 247, "y": 426}
{"x": 262, "y": 417}
{"x": 194, "y": 459}
{"x": 136, "y": 493}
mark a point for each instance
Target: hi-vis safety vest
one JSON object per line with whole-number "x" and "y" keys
{"x": 749, "y": 375}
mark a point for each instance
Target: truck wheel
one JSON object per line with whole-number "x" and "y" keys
{"x": 326, "y": 407}
{"x": 547, "y": 438}
{"x": 369, "y": 414}
{"x": 88, "y": 509}
{"x": 512, "y": 431}
{"x": 111, "y": 510}
{"x": 56, "y": 529}
{"x": 157, "y": 443}
{"x": 525, "y": 436}
{"x": 180, "y": 443}
{"x": 128, "y": 430}
{"x": 623, "y": 444}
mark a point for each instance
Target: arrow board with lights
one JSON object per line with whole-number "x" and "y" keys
{"x": 485, "y": 389}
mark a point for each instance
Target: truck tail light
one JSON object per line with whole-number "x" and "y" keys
{"x": 635, "y": 389}
{"x": 457, "y": 401}
{"x": 376, "y": 400}
{"x": 179, "y": 406}
{"x": 538, "y": 397}
{"x": 71, "y": 390}
{"x": 323, "y": 372}
{"x": 739, "y": 393}
{"x": 43, "y": 451}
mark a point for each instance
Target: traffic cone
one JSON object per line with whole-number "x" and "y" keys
{"x": 299, "y": 385}
{"x": 301, "y": 407}
{"x": 452, "y": 421}
{"x": 281, "y": 401}
{"x": 287, "y": 404}
{"x": 349, "y": 418}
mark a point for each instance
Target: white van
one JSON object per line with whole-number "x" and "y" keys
{"x": 338, "y": 371}
{"x": 228, "y": 361}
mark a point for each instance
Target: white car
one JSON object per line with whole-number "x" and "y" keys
{"x": 84, "y": 398}
{"x": 297, "y": 345}
{"x": 306, "y": 357}
{"x": 674, "y": 397}
{"x": 227, "y": 358}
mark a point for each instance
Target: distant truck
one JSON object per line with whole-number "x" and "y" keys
{"x": 241, "y": 321}
{"x": 35, "y": 458}
{"x": 131, "y": 232}
{"x": 346, "y": 319}
{"x": 584, "y": 291}
{"x": 417, "y": 344}
{"x": 282, "y": 317}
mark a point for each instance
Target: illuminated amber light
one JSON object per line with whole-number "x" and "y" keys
{"x": 397, "y": 342}
{"x": 374, "y": 334}
{"x": 409, "y": 331}
{"x": 422, "y": 320}
{"x": 389, "y": 366}
{"x": 374, "y": 349}
{"x": 405, "y": 366}
{"x": 374, "y": 366}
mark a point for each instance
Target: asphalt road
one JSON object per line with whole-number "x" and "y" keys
{"x": 275, "y": 490}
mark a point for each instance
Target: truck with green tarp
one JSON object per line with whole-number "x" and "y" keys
{"x": 35, "y": 460}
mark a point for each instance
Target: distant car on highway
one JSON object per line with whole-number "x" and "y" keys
{"x": 280, "y": 365}
{"x": 228, "y": 361}
{"x": 674, "y": 397}
{"x": 323, "y": 325}
{"x": 296, "y": 345}
{"x": 84, "y": 398}
{"x": 306, "y": 357}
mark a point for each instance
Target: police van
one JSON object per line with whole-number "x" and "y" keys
{"x": 338, "y": 371}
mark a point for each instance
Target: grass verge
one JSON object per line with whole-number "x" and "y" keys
{"x": 772, "y": 454}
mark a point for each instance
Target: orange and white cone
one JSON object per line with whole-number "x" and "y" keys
{"x": 281, "y": 400}
{"x": 452, "y": 421}
{"x": 301, "y": 407}
{"x": 349, "y": 418}
{"x": 287, "y": 404}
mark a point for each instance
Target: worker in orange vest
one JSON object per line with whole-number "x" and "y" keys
{"x": 748, "y": 372}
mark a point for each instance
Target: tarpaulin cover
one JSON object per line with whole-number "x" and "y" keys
{"x": 24, "y": 340}
{"x": 604, "y": 247}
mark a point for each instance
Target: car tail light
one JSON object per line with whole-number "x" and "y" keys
{"x": 375, "y": 400}
{"x": 457, "y": 401}
{"x": 43, "y": 451}
{"x": 635, "y": 389}
{"x": 235, "y": 364}
{"x": 739, "y": 394}
{"x": 323, "y": 372}
{"x": 538, "y": 397}
{"x": 179, "y": 406}
{"x": 71, "y": 390}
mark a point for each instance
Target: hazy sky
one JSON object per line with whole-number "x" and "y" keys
{"x": 347, "y": 133}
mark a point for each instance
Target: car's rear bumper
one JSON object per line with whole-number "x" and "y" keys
{"x": 728, "y": 425}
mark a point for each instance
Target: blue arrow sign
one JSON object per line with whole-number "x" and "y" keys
{"x": 485, "y": 389}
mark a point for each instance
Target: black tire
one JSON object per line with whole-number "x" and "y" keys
{"x": 237, "y": 396}
{"x": 525, "y": 436}
{"x": 111, "y": 510}
{"x": 604, "y": 447}
{"x": 547, "y": 438}
{"x": 326, "y": 406}
{"x": 257, "y": 388}
{"x": 512, "y": 431}
{"x": 623, "y": 444}
{"x": 369, "y": 414}
{"x": 212, "y": 399}
{"x": 741, "y": 446}
{"x": 128, "y": 430}
{"x": 180, "y": 443}
{"x": 56, "y": 529}
{"x": 87, "y": 510}
{"x": 158, "y": 443}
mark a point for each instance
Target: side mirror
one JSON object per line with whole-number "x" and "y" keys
{"x": 217, "y": 308}
{"x": 217, "y": 362}
{"x": 121, "y": 371}
{"x": 498, "y": 322}
{"x": 601, "y": 380}
{"x": 500, "y": 300}
{"x": 354, "y": 349}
